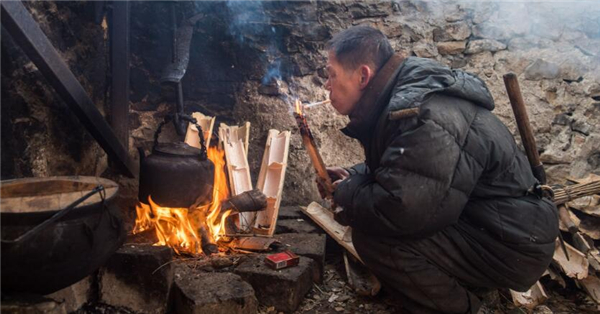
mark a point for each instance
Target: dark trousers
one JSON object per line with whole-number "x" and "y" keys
{"x": 431, "y": 275}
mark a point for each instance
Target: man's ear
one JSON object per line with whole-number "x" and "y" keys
{"x": 366, "y": 74}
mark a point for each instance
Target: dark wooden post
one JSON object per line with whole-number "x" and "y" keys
{"x": 119, "y": 65}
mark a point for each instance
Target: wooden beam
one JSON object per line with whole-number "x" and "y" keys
{"x": 27, "y": 34}
{"x": 119, "y": 67}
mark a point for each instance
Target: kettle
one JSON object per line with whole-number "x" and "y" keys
{"x": 176, "y": 174}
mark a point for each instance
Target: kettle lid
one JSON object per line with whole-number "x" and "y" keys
{"x": 177, "y": 149}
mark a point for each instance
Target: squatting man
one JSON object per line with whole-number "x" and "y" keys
{"x": 440, "y": 208}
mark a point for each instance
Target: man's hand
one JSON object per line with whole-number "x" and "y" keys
{"x": 337, "y": 175}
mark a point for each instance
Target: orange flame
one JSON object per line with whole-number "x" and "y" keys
{"x": 298, "y": 105}
{"x": 179, "y": 228}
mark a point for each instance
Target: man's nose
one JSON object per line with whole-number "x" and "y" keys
{"x": 327, "y": 85}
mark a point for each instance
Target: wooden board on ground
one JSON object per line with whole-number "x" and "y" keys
{"x": 232, "y": 140}
{"x": 591, "y": 285}
{"x": 530, "y": 298}
{"x": 206, "y": 123}
{"x": 324, "y": 218}
{"x": 271, "y": 178}
{"x": 577, "y": 265}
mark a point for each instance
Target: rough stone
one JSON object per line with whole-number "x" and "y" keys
{"x": 290, "y": 212}
{"x": 481, "y": 45}
{"x": 451, "y": 47}
{"x": 425, "y": 50}
{"x": 562, "y": 119}
{"x": 541, "y": 69}
{"x": 199, "y": 292}
{"x": 452, "y": 31}
{"x": 74, "y": 296}
{"x": 309, "y": 245}
{"x": 581, "y": 127}
{"x": 33, "y": 305}
{"x": 300, "y": 225}
{"x": 283, "y": 289}
{"x": 138, "y": 277}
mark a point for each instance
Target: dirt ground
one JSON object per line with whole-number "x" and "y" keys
{"x": 334, "y": 295}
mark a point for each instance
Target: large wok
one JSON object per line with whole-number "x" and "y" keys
{"x": 56, "y": 231}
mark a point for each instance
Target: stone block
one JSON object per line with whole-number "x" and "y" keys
{"x": 310, "y": 245}
{"x": 452, "y": 31}
{"x": 290, "y": 212}
{"x": 31, "y": 305}
{"x": 74, "y": 296}
{"x": 541, "y": 69}
{"x": 481, "y": 45}
{"x": 195, "y": 291}
{"x": 451, "y": 47}
{"x": 136, "y": 277}
{"x": 300, "y": 225}
{"x": 283, "y": 289}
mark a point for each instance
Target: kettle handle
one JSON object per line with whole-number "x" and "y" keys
{"x": 168, "y": 118}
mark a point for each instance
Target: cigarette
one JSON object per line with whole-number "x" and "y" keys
{"x": 314, "y": 104}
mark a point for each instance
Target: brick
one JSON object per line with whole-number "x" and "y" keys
{"x": 310, "y": 245}
{"x": 283, "y": 289}
{"x": 197, "y": 292}
{"x": 130, "y": 278}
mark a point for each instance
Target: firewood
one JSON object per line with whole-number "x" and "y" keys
{"x": 233, "y": 140}
{"x": 248, "y": 201}
{"x": 313, "y": 152}
{"x": 206, "y": 123}
{"x": 591, "y": 285}
{"x": 271, "y": 179}
{"x": 530, "y": 298}
{"x": 571, "y": 192}
{"x": 576, "y": 266}
{"x": 324, "y": 218}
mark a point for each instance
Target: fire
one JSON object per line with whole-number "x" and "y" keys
{"x": 298, "y": 105}
{"x": 185, "y": 230}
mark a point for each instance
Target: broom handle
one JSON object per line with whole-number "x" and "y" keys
{"x": 518, "y": 107}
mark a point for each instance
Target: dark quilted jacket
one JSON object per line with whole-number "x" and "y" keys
{"x": 455, "y": 163}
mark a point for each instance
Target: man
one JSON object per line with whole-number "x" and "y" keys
{"x": 444, "y": 203}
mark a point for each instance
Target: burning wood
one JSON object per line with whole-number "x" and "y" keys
{"x": 190, "y": 230}
{"x": 313, "y": 152}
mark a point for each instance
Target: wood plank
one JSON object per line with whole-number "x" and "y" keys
{"x": 206, "y": 123}
{"x": 591, "y": 285}
{"x": 27, "y": 34}
{"x": 324, "y": 218}
{"x": 232, "y": 141}
{"x": 271, "y": 179}
{"x": 530, "y": 298}
{"x": 577, "y": 265}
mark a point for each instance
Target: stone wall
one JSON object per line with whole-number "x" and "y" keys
{"x": 239, "y": 48}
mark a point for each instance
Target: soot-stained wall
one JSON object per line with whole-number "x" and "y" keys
{"x": 240, "y": 48}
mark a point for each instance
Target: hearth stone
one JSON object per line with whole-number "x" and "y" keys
{"x": 32, "y": 304}
{"x": 132, "y": 278}
{"x": 196, "y": 291}
{"x": 301, "y": 225}
{"x": 310, "y": 245}
{"x": 283, "y": 289}
{"x": 74, "y": 296}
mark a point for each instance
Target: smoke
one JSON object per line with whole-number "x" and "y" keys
{"x": 250, "y": 25}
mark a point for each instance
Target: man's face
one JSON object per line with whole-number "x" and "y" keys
{"x": 344, "y": 86}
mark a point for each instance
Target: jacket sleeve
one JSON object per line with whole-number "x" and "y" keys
{"x": 358, "y": 169}
{"x": 411, "y": 193}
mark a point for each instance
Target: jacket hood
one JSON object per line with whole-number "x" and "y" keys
{"x": 419, "y": 78}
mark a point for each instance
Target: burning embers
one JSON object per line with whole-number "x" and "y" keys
{"x": 193, "y": 214}
{"x": 186, "y": 230}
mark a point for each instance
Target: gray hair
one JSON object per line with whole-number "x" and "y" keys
{"x": 360, "y": 45}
